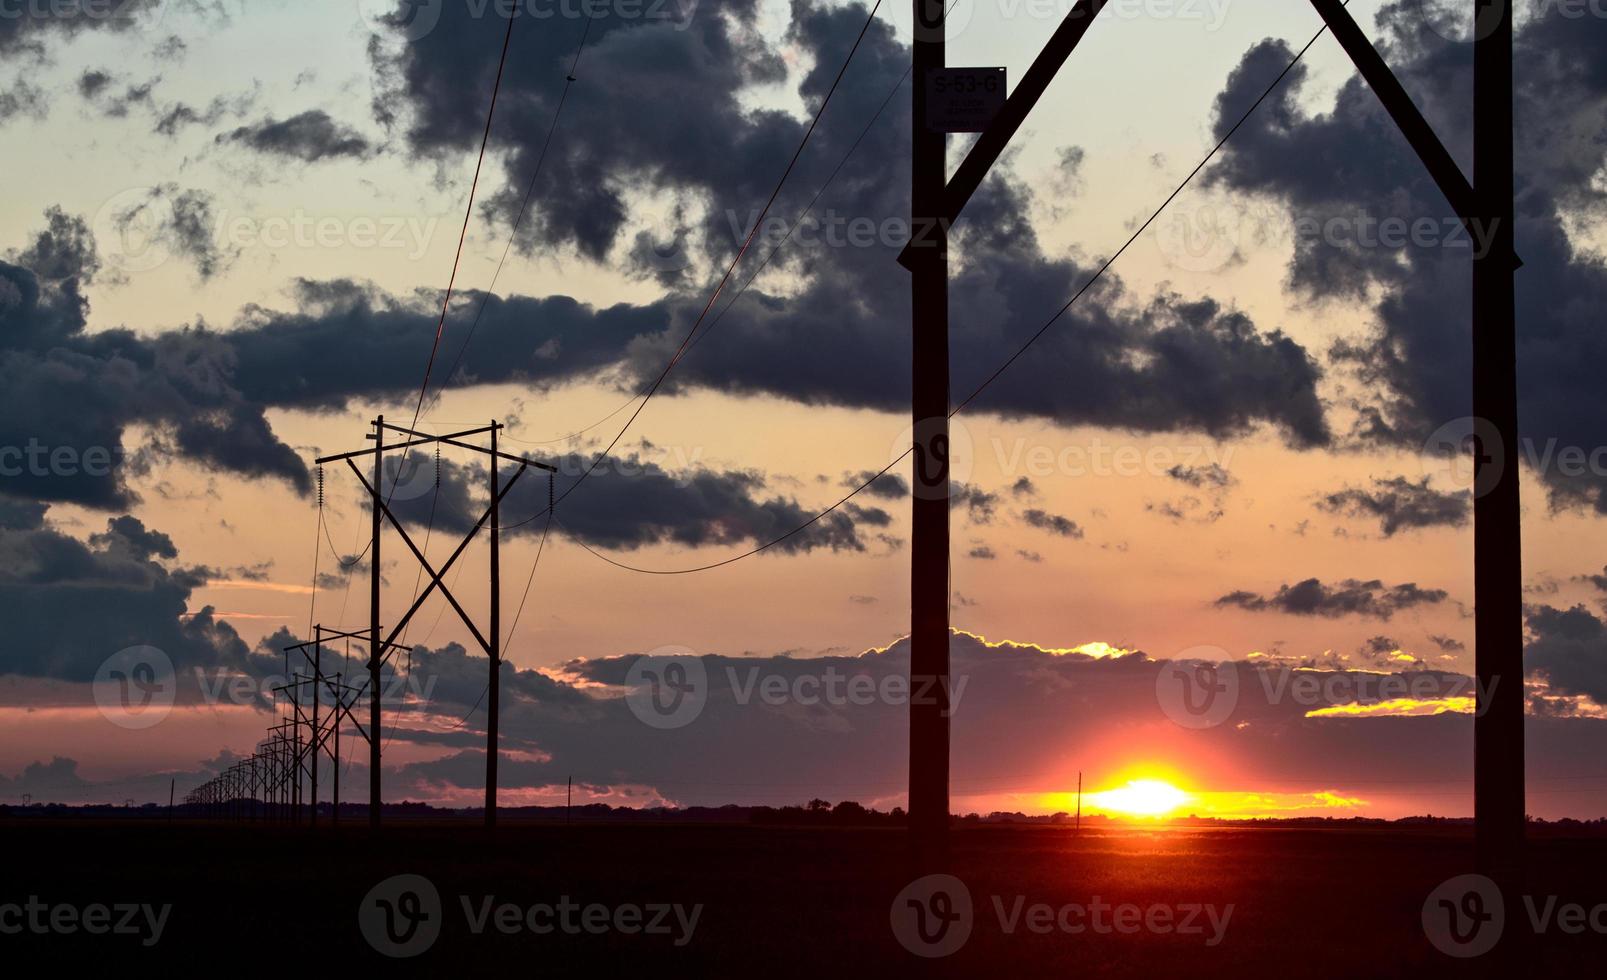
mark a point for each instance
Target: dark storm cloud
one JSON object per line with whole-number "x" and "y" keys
{"x": 1345, "y": 598}
{"x": 981, "y": 506}
{"x": 681, "y": 77}
{"x": 310, "y": 136}
{"x": 26, "y": 28}
{"x": 888, "y": 486}
{"x": 28, "y": 31}
{"x": 1569, "y": 648}
{"x": 1065, "y": 527}
{"x": 630, "y": 502}
{"x": 1041, "y": 703}
{"x": 541, "y": 342}
{"x": 1212, "y": 476}
{"x": 658, "y": 110}
{"x": 97, "y": 86}
{"x": 1400, "y": 504}
{"x": 67, "y": 396}
{"x": 57, "y": 779}
{"x": 172, "y": 118}
{"x": 1347, "y": 161}
{"x": 1380, "y": 645}
{"x": 21, "y": 515}
{"x": 48, "y": 580}
{"x": 1448, "y": 644}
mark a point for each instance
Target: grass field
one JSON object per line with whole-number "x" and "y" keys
{"x": 778, "y": 901}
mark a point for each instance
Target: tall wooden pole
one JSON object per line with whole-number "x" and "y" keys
{"x": 1498, "y": 558}
{"x": 494, "y": 689}
{"x": 334, "y": 766}
{"x": 929, "y": 551}
{"x": 317, "y": 679}
{"x": 375, "y": 649}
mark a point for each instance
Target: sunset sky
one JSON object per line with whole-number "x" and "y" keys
{"x": 223, "y": 246}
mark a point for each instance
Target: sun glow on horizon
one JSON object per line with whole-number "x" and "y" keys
{"x": 1139, "y": 798}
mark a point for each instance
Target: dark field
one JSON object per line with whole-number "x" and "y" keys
{"x": 776, "y": 901}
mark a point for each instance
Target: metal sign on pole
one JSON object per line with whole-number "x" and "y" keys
{"x": 963, "y": 100}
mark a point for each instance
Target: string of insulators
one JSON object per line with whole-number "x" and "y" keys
{"x": 550, "y": 500}
{"x": 320, "y": 486}
{"x": 437, "y": 466}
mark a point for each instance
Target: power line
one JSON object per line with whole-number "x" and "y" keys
{"x": 457, "y": 258}
{"x": 730, "y": 269}
{"x": 743, "y": 289}
{"x": 524, "y": 205}
{"x": 468, "y": 213}
{"x": 1013, "y": 357}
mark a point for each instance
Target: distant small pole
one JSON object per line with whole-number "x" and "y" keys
{"x": 569, "y": 799}
{"x": 170, "y": 784}
{"x": 1079, "y": 801}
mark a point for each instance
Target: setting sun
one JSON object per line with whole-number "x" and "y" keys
{"x": 1139, "y": 798}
